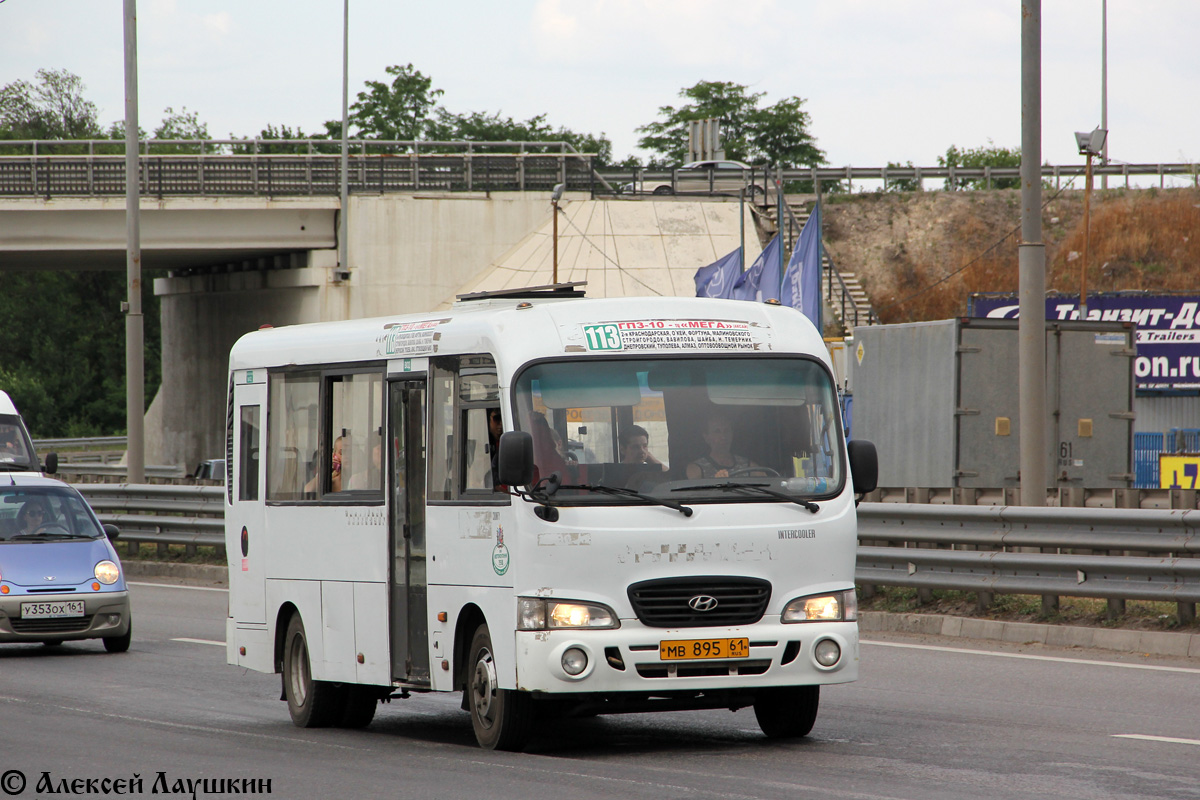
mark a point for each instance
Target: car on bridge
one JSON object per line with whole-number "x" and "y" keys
{"x": 60, "y": 577}
{"x": 704, "y": 177}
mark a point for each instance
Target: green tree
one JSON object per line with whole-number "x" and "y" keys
{"x": 775, "y": 134}
{"x": 481, "y": 126}
{"x": 731, "y": 103}
{"x": 901, "y": 184}
{"x": 62, "y": 349}
{"x": 401, "y": 110}
{"x": 50, "y": 107}
{"x": 979, "y": 157}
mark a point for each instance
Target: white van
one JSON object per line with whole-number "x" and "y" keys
{"x": 16, "y": 448}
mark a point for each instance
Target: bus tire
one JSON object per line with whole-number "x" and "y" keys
{"x": 359, "y": 710}
{"x": 502, "y": 718}
{"x": 312, "y": 704}
{"x": 787, "y": 712}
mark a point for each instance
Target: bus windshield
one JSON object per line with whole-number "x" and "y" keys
{"x": 684, "y": 429}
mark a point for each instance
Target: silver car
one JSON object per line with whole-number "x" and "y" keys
{"x": 703, "y": 177}
{"x": 60, "y": 577}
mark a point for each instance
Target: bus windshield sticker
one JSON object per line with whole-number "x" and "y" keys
{"x": 673, "y": 334}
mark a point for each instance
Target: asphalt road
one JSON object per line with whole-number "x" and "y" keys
{"x": 928, "y": 719}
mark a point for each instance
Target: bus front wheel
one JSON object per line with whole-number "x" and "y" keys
{"x": 312, "y": 704}
{"x": 502, "y": 718}
{"x": 787, "y": 712}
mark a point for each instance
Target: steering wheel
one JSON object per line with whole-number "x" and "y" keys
{"x": 51, "y": 527}
{"x": 762, "y": 472}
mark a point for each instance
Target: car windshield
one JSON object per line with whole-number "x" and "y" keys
{"x": 45, "y": 513}
{"x": 683, "y": 429}
{"x": 15, "y": 454}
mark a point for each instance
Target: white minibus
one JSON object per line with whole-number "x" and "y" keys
{"x": 555, "y": 505}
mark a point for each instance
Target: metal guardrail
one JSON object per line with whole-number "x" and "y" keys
{"x": 303, "y": 167}
{"x": 1118, "y": 553}
{"x": 1108, "y": 553}
{"x": 259, "y": 168}
{"x": 163, "y": 515}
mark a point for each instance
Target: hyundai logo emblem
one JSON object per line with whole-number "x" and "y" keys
{"x": 702, "y": 602}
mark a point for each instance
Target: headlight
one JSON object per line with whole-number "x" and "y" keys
{"x": 833, "y": 607}
{"x": 540, "y": 614}
{"x": 107, "y": 572}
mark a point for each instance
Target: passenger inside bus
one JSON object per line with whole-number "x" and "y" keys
{"x": 635, "y": 447}
{"x": 721, "y": 461}
{"x": 546, "y": 459}
{"x": 495, "y": 428}
{"x": 335, "y": 471}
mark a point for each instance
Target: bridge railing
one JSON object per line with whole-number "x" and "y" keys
{"x": 303, "y": 167}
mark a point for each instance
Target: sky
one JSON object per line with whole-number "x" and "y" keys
{"x": 883, "y": 80}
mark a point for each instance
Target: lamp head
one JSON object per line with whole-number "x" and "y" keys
{"x": 1091, "y": 143}
{"x": 557, "y": 194}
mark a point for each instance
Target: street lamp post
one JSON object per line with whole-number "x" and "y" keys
{"x": 1090, "y": 144}
{"x": 555, "y": 196}
{"x": 135, "y": 348}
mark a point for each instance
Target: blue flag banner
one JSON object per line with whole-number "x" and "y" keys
{"x": 802, "y": 278}
{"x": 761, "y": 281}
{"x": 718, "y": 278}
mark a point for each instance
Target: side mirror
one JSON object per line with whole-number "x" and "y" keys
{"x": 111, "y": 531}
{"x": 864, "y": 465}
{"x": 51, "y": 463}
{"x": 515, "y": 460}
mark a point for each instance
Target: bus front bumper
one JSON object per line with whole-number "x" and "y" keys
{"x": 633, "y": 658}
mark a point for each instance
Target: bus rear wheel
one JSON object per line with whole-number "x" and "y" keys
{"x": 787, "y": 712}
{"x": 502, "y": 718}
{"x": 312, "y": 704}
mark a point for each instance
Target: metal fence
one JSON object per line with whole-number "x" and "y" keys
{"x": 306, "y": 167}
{"x": 1108, "y": 553}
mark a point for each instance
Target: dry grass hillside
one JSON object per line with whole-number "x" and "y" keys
{"x": 919, "y": 255}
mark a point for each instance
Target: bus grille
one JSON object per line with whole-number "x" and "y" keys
{"x": 664, "y": 603}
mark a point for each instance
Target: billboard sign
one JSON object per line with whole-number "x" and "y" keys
{"x": 1168, "y": 330}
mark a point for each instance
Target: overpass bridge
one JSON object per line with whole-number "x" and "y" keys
{"x": 237, "y": 260}
{"x": 248, "y": 234}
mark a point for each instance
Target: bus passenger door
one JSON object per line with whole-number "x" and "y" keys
{"x": 406, "y": 486}
{"x": 246, "y": 512}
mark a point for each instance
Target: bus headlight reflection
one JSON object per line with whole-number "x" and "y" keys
{"x": 539, "y": 614}
{"x": 832, "y": 607}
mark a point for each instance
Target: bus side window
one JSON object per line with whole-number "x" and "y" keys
{"x": 463, "y": 389}
{"x": 292, "y": 435}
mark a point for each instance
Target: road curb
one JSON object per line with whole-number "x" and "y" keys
{"x": 193, "y": 574}
{"x": 1161, "y": 643}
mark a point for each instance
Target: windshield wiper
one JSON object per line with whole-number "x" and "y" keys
{"x": 48, "y": 536}
{"x": 760, "y": 488}
{"x": 621, "y": 491}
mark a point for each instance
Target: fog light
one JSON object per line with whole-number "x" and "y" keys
{"x": 574, "y": 661}
{"x": 827, "y": 652}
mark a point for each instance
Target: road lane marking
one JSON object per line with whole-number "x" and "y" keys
{"x": 1029, "y": 657}
{"x": 178, "y": 586}
{"x": 199, "y": 641}
{"x": 1169, "y": 739}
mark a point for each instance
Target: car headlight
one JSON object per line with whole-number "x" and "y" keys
{"x": 832, "y": 607}
{"x": 541, "y": 614}
{"x": 107, "y": 572}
